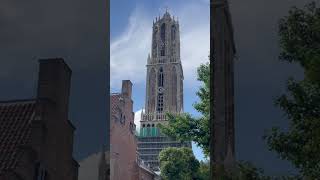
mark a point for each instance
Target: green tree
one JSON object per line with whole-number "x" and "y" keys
{"x": 247, "y": 171}
{"x": 204, "y": 170}
{"x": 178, "y": 164}
{"x": 185, "y": 127}
{"x": 300, "y": 43}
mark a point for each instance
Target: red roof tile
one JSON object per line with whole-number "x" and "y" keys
{"x": 15, "y": 130}
{"x": 115, "y": 99}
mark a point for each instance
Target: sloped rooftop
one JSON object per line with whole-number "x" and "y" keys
{"x": 15, "y": 130}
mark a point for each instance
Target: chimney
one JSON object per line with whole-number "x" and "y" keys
{"x": 54, "y": 82}
{"x": 127, "y": 88}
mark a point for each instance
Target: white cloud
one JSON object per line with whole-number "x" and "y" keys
{"x": 137, "y": 118}
{"x": 129, "y": 51}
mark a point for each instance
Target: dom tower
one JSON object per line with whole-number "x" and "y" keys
{"x": 164, "y": 89}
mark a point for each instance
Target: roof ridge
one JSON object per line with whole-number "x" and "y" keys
{"x": 18, "y": 101}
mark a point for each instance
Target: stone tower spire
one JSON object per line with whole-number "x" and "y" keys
{"x": 164, "y": 89}
{"x": 164, "y": 69}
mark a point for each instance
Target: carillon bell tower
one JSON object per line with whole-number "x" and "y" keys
{"x": 164, "y": 89}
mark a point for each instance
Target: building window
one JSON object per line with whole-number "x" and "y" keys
{"x": 163, "y": 39}
{"x": 174, "y": 90}
{"x": 163, "y": 32}
{"x": 162, "y": 51}
{"x": 173, "y": 32}
{"x": 132, "y": 127}
{"x": 160, "y": 78}
{"x": 152, "y": 90}
{"x": 160, "y": 102}
{"x": 122, "y": 119}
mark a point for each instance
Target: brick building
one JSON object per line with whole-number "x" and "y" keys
{"x": 124, "y": 163}
{"x": 36, "y": 136}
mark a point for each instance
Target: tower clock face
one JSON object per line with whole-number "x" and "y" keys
{"x": 161, "y": 90}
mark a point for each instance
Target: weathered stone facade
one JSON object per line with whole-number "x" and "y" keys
{"x": 164, "y": 89}
{"x": 164, "y": 69}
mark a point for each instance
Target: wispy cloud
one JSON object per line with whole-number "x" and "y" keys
{"x": 137, "y": 118}
{"x": 129, "y": 51}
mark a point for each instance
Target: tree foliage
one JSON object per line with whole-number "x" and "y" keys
{"x": 247, "y": 171}
{"x": 300, "y": 43}
{"x": 185, "y": 127}
{"x": 178, "y": 164}
{"x": 204, "y": 170}
{"x": 300, "y": 39}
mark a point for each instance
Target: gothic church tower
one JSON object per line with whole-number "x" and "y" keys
{"x": 164, "y": 87}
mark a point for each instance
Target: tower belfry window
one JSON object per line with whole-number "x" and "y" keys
{"x": 160, "y": 102}
{"x": 162, "y": 51}
{"x": 163, "y": 39}
{"x": 160, "y": 79}
{"x": 173, "y": 32}
{"x": 163, "y": 32}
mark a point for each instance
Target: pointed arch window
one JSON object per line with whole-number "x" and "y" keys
{"x": 160, "y": 78}
{"x": 173, "y": 32}
{"x": 152, "y": 90}
{"x": 154, "y": 41}
{"x": 163, "y": 32}
{"x": 174, "y": 89}
{"x": 162, "y": 51}
{"x": 163, "y": 39}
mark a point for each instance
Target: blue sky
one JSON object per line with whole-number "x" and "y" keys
{"x": 131, "y": 26}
